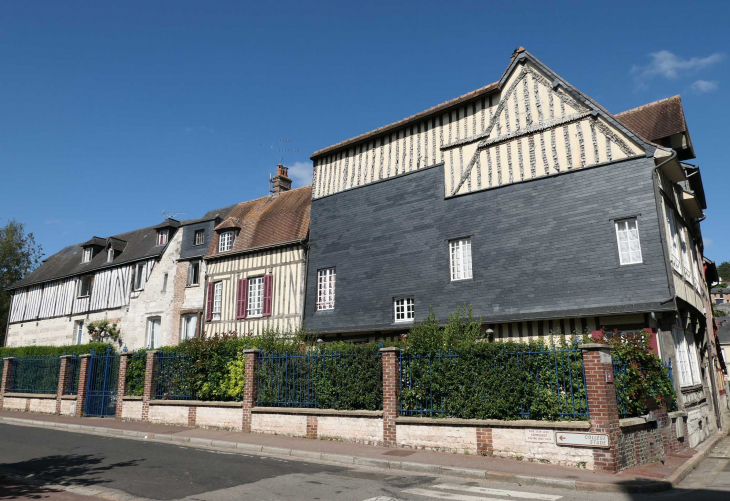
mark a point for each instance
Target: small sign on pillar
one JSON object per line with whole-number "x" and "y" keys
{"x": 609, "y": 376}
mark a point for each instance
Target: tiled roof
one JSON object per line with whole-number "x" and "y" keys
{"x": 268, "y": 221}
{"x": 656, "y": 120}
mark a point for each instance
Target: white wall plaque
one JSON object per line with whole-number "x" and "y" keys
{"x": 545, "y": 436}
{"x": 582, "y": 439}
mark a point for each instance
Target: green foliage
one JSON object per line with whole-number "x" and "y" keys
{"x": 136, "y": 366}
{"x": 724, "y": 270}
{"x": 449, "y": 372}
{"x": 103, "y": 330}
{"x": 719, "y": 313}
{"x": 339, "y": 375}
{"x": 640, "y": 375}
{"x": 19, "y": 255}
{"x": 53, "y": 351}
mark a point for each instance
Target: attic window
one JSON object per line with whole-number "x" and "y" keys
{"x": 225, "y": 241}
{"x": 199, "y": 237}
{"x": 161, "y": 237}
{"x": 110, "y": 255}
{"x": 87, "y": 255}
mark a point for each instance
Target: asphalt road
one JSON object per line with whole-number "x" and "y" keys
{"x": 169, "y": 472}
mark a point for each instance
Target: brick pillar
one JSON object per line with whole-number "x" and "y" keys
{"x": 192, "y": 415}
{"x": 249, "y": 388}
{"x": 391, "y": 388}
{"x": 83, "y": 384}
{"x": 312, "y": 427}
{"x": 602, "y": 406}
{"x": 7, "y": 362}
{"x": 62, "y": 378}
{"x": 121, "y": 383}
{"x": 484, "y": 442}
{"x": 149, "y": 383}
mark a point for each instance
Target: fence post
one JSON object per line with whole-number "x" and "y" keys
{"x": 121, "y": 383}
{"x": 149, "y": 382}
{"x": 602, "y": 406}
{"x": 84, "y": 361}
{"x": 62, "y": 376}
{"x": 7, "y": 362}
{"x": 250, "y": 388}
{"x": 391, "y": 376}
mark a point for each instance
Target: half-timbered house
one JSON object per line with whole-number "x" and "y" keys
{"x": 126, "y": 278}
{"x": 530, "y": 202}
{"x": 256, "y": 263}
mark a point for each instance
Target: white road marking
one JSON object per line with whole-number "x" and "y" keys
{"x": 498, "y": 492}
{"x": 452, "y": 496}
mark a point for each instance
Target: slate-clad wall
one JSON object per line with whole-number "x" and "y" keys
{"x": 546, "y": 246}
{"x": 188, "y": 249}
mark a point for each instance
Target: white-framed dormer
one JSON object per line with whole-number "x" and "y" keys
{"x": 225, "y": 241}
{"x": 163, "y": 235}
{"x": 109, "y": 255}
{"x": 87, "y": 254}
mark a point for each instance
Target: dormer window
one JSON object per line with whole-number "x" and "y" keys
{"x": 225, "y": 241}
{"x": 109, "y": 255}
{"x": 199, "y": 237}
{"x": 87, "y": 255}
{"x": 162, "y": 237}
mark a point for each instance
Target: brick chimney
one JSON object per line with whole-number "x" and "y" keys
{"x": 281, "y": 182}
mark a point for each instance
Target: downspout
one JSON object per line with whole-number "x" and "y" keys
{"x": 305, "y": 244}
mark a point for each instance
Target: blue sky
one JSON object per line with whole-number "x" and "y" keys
{"x": 111, "y": 112}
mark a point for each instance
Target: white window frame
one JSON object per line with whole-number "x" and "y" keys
{"x": 109, "y": 255}
{"x": 188, "y": 333}
{"x": 162, "y": 236}
{"x": 673, "y": 240}
{"x": 78, "y": 331}
{"x": 628, "y": 256}
{"x": 326, "y": 282}
{"x": 404, "y": 309}
{"x": 80, "y": 291}
{"x": 255, "y": 301}
{"x": 139, "y": 276}
{"x": 686, "y": 354}
{"x": 191, "y": 267}
{"x": 460, "y": 259}
{"x": 202, "y": 237}
{"x": 88, "y": 254}
{"x": 225, "y": 241}
{"x": 152, "y": 340}
{"x": 217, "y": 300}
{"x": 686, "y": 266}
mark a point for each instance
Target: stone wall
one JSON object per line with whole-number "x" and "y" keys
{"x": 640, "y": 444}
{"x": 279, "y": 424}
{"x": 351, "y": 429}
{"x": 457, "y": 439}
{"x": 512, "y": 443}
{"x": 132, "y": 410}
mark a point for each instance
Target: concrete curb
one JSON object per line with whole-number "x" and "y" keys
{"x": 431, "y": 469}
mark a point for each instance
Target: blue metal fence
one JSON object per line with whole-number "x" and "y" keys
{"x": 34, "y": 375}
{"x": 621, "y": 379}
{"x": 73, "y": 364}
{"x": 288, "y": 379}
{"x": 173, "y": 377}
{"x": 543, "y": 383}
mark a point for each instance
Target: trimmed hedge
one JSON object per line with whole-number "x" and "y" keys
{"x": 53, "y": 351}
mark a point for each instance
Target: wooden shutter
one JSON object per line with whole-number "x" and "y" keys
{"x": 242, "y": 299}
{"x": 209, "y": 305}
{"x": 268, "y": 286}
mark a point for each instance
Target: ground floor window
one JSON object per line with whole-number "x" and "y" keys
{"x": 255, "y": 306}
{"x": 78, "y": 331}
{"x": 189, "y": 326}
{"x": 217, "y": 300}
{"x": 153, "y": 332}
{"x": 686, "y": 354}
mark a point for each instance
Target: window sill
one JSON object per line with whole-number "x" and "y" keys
{"x": 82, "y": 297}
{"x": 254, "y": 316}
{"x": 191, "y": 286}
{"x": 629, "y": 265}
{"x": 404, "y": 322}
{"x": 462, "y": 279}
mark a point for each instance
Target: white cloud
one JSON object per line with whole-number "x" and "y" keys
{"x": 669, "y": 65}
{"x": 704, "y": 86}
{"x": 301, "y": 174}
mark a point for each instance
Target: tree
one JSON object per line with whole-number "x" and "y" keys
{"x": 724, "y": 270}
{"x": 19, "y": 255}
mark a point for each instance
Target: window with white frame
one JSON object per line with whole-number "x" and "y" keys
{"x": 686, "y": 356}
{"x": 109, "y": 255}
{"x": 87, "y": 255}
{"x": 405, "y": 310}
{"x": 162, "y": 237}
{"x": 673, "y": 238}
{"x": 326, "y": 289}
{"x": 78, "y": 331}
{"x": 139, "y": 276}
{"x": 189, "y": 326}
{"x": 217, "y": 302}
{"x": 460, "y": 258}
{"x": 199, "y": 237}
{"x": 629, "y": 245}
{"x": 85, "y": 286}
{"x": 255, "y": 305}
{"x": 153, "y": 332}
{"x": 685, "y": 253}
{"x": 194, "y": 273}
{"x": 225, "y": 241}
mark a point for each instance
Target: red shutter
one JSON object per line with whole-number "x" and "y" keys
{"x": 242, "y": 299}
{"x": 209, "y": 307}
{"x": 268, "y": 286}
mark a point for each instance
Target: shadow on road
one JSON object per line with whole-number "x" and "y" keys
{"x": 31, "y": 479}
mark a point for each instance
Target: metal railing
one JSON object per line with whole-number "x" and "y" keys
{"x": 543, "y": 384}
{"x": 173, "y": 377}
{"x": 34, "y": 375}
{"x": 623, "y": 397}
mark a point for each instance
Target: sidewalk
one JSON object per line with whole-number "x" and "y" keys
{"x": 646, "y": 478}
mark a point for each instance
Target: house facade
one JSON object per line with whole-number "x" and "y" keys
{"x": 126, "y": 279}
{"x": 526, "y": 179}
{"x": 256, "y": 263}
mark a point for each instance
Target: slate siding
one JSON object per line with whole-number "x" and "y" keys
{"x": 540, "y": 249}
{"x": 189, "y": 250}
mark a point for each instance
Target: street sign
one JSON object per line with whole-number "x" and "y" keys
{"x": 537, "y": 435}
{"x": 582, "y": 439}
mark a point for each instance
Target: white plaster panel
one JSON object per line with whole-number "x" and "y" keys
{"x": 351, "y": 429}
{"x": 230, "y": 418}
{"x": 68, "y": 407}
{"x": 43, "y": 405}
{"x": 512, "y": 443}
{"x": 132, "y": 410}
{"x": 461, "y": 439}
{"x": 168, "y": 414}
{"x": 279, "y": 424}
{"x": 14, "y": 404}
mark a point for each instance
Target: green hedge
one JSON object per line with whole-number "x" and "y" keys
{"x": 51, "y": 351}
{"x": 136, "y": 366}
